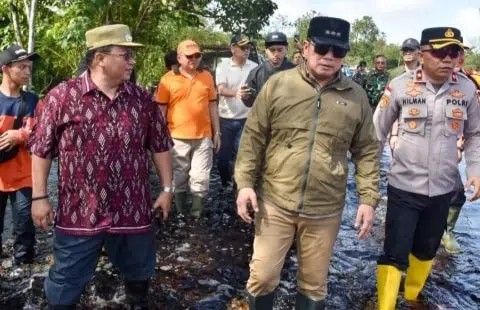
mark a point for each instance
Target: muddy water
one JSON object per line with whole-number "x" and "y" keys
{"x": 204, "y": 264}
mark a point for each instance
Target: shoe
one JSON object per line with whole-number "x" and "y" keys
{"x": 417, "y": 274}
{"x": 180, "y": 202}
{"x": 197, "y": 206}
{"x": 136, "y": 294}
{"x": 302, "y": 302}
{"x": 448, "y": 239}
{"x": 388, "y": 284}
{"x": 264, "y": 302}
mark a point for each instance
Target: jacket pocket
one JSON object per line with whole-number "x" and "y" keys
{"x": 455, "y": 117}
{"x": 414, "y": 119}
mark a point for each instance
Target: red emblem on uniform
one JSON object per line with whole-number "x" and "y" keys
{"x": 414, "y": 92}
{"x": 412, "y": 124}
{"x": 457, "y": 94}
{"x": 455, "y": 125}
{"x": 454, "y": 77}
{"x": 457, "y": 113}
{"x": 419, "y": 75}
{"x": 413, "y": 111}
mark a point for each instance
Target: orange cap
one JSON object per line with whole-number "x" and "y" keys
{"x": 188, "y": 47}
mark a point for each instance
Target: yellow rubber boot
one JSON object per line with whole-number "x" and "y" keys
{"x": 388, "y": 283}
{"x": 417, "y": 274}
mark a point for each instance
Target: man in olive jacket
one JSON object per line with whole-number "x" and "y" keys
{"x": 293, "y": 151}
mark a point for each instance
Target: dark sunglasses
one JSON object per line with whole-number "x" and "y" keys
{"x": 323, "y": 49}
{"x": 408, "y": 50}
{"x": 196, "y": 56}
{"x": 245, "y": 47}
{"x": 452, "y": 51}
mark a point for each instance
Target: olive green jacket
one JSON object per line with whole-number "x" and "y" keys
{"x": 293, "y": 149}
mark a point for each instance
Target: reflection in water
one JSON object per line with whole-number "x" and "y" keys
{"x": 204, "y": 265}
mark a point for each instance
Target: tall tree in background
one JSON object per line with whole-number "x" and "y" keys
{"x": 364, "y": 39}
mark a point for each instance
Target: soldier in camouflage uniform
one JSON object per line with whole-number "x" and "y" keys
{"x": 376, "y": 81}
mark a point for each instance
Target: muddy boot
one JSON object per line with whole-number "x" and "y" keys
{"x": 448, "y": 240}
{"x": 302, "y": 302}
{"x": 417, "y": 274}
{"x": 180, "y": 202}
{"x": 197, "y": 206}
{"x": 137, "y": 292}
{"x": 388, "y": 284}
{"x": 264, "y": 302}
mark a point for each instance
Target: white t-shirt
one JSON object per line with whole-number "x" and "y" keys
{"x": 233, "y": 77}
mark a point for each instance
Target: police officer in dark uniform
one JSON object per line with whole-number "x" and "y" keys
{"x": 276, "y": 45}
{"x": 434, "y": 106}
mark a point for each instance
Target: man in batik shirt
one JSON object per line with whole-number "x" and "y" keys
{"x": 100, "y": 127}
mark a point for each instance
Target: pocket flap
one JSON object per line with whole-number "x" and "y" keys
{"x": 414, "y": 111}
{"x": 456, "y": 112}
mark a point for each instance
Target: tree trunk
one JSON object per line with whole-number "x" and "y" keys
{"x": 16, "y": 29}
{"x": 26, "y": 7}
{"x": 31, "y": 31}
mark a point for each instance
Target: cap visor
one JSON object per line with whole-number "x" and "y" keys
{"x": 332, "y": 42}
{"x": 440, "y": 45}
{"x": 243, "y": 43}
{"x": 129, "y": 44}
{"x": 31, "y": 56}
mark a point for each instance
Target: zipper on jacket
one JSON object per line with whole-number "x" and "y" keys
{"x": 310, "y": 150}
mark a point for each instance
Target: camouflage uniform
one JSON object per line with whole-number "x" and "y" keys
{"x": 374, "y": 84}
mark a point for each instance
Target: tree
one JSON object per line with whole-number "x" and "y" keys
{"x": 365, "y": 39}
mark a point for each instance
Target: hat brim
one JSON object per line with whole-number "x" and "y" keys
{"x": 412, "y": 47}
{"x": 243, "y": 43}
{"x": 441, "y": 44}
{"x": 31, "y": 56}
{"x": 124, "y": 44}
{"x": 332, "y": 42}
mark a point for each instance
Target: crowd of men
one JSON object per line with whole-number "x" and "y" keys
{"x": 287, "y": 127}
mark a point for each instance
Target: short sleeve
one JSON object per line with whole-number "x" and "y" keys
{"x": 163, "y": 91}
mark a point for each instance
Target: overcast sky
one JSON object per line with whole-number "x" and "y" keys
{"x": 399, "y": 19}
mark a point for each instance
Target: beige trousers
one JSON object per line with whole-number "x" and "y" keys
{"x": 192, "y": 162}
{"x": 274, "y": 233}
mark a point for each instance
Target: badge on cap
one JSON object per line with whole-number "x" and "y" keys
{"x": 449, "y": 33}
{"x": 20, "y": 51}
{"x": 275, "y": 36}
{"x": 128, "y": 38}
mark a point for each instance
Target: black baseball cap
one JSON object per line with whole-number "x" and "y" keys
{"x": 411, "y": 43}
{"x": 240, "y": 40}
{"x": 16, "y": 53}
{"x": 329, "y": 31}
{"x": 440, "y": 37}
{"x": 275, "y": 38}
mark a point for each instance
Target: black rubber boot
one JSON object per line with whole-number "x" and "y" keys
{"x": 264, "y": 302}
{"x": 197, "y": 206}
{"x": 180, "y": 202}
{"x": 136, "y": 294}
{"x": 304, "y": 303}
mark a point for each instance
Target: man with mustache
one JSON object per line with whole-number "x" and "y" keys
{"x": 100, "y": 127}
{"x": 292, "y": 166}
{"x": 16, "y": 121}
{"x": 435, "y": 106}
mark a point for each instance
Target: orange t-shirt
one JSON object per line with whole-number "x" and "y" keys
{"x": 188, "y": 104}
{"x": 16, "y": 173}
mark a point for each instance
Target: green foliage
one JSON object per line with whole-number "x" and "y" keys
{"x": 472, "y": 60}
{"x": 365, "y": 40}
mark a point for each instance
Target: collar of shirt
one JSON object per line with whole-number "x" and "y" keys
{"x": 233, "y": 64}
{"x": 419, "y": 77}
{"x": 88, "y": 85}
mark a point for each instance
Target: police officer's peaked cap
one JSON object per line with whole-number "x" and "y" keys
{"x": 275, "y": 38}
{"x": 411, "y": 43}
{"x": 440, "y": 37}
{"x": 329, "y": 31}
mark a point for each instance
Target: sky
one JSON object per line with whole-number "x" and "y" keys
{"x": 399, "y": 19}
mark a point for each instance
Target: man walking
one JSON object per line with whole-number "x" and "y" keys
{"x": 276, "y": 45}
{"x": 231, "y": 76}
{"x": 16, "y": 121}
{"x": 187, "y": 98}
{"x": 100, "y": 127}
{"x": 434, "y": 106}
{"x": 293, "y": 155}
{"x": 376, "y": 81}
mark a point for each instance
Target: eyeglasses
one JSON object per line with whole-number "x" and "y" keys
{"x": 380, "y": 62}
{"x": 244, "y": 47}
{"x": 196, "y": 56}
{"x": 323, "y": 49}
{"x": 408, "y": 50}
{"x": 442, "y": 53}
{"x": 126, "y": 56}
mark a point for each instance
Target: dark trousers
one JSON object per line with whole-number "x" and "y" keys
{"x": 76, "y": 259}
{"x": 414, "y": 224}
{"x": 458, "y": 196}
{"x": 23, "y": 229}
{"x": 231, "y": 133}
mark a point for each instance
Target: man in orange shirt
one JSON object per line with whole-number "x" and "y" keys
{"x": 16, "y": 122}
{"x": 188, "y": 102}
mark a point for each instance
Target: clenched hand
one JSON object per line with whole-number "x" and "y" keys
{"x": 364, "y": 221}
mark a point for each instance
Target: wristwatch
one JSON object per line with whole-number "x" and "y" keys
{"x": 168, "y": 189}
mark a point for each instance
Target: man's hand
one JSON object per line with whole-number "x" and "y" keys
{"x": 475, "y": 181}
{"x": 245, "y": 196}
{"x": 8, "y": 140}
{"x": 217, "y": 142}
{"x": 365, "y": 215}
{"x": 393, "y": 143}
{"x": 243, "y": 92}
{"x": 42, "y": 213}
{"x": 163, "y": 202}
